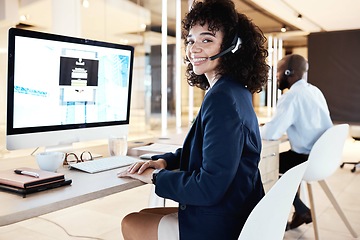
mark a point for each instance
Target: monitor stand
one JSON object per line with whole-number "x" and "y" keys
{"x": 67, "y": 147}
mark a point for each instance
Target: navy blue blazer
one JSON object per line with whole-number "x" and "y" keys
{"x": 218, "y": 183}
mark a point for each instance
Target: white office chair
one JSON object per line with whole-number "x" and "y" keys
{"x": 155, "y": 200}
{"x": 324, "y": 159}
{"x": 269, "y": 217}
{"x": 355, "y": 134}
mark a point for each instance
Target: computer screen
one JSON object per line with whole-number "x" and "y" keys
{"x": 64, "y": 89}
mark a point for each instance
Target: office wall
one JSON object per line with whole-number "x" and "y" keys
{"x": 303, "y": 51}
{"x": 335, "y": 69}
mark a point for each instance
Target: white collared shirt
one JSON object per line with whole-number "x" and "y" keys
{"x": 302, "y": 113}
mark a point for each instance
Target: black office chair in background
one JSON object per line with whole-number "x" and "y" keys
{"x": 355, "y": 134}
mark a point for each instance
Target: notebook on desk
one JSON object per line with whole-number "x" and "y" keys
{"x": 158, "y": 148}
{"x": 25, "y": 184}
{"x": 146, "y": 152}
{"x": 26, "y": 191}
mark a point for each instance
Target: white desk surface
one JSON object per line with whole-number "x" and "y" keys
{"x": 85, "y": 186}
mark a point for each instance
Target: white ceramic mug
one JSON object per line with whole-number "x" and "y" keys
{"x": 118, "y": 145}
{"x": 50, "y": 161}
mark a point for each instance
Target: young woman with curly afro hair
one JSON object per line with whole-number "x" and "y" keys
{"x": 214, "y": 176}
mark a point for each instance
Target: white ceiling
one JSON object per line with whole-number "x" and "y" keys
{"x": 318, "y": 15}
{"x": 271, "y": 15}
{"x": 116, "y": 20}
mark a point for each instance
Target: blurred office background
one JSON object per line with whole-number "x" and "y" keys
{"x": 161, "y": 97}
{"x": 163, "y": 101}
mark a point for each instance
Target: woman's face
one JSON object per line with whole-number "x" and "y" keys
{"x": 202, "y": 44}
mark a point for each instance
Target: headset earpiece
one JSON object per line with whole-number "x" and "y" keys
{"x": 237, "y": 45}
{"x": 287, "y": 72}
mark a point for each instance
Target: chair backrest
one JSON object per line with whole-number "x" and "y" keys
{"x": 354, "y": 131}
{"x": 269, "y": 217}
{"x": 325, "y": 155}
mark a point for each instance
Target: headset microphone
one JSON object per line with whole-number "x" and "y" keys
{"x": 235, "y": 45}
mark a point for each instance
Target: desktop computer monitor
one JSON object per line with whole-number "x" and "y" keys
{"x": 65, "y": 89}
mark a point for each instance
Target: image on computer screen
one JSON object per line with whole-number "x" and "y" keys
{"x": 59, "y": 83}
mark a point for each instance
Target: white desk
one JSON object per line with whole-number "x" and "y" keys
{"x": 269, "y": 163}
{"x": 85, "y": 187}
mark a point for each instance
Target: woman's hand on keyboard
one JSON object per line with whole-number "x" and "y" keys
{"x": 140, "y": 170}
{"x": 145, "y": 176}
{"x": 140, "y": 167}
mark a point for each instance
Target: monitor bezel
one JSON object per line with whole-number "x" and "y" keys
{"x": 16, "y": 32}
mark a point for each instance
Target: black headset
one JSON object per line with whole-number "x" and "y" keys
{"x": 235, "y": 45}
{"x": 289, "y": 71}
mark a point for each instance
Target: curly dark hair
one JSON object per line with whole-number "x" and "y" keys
{"x": 248, "y": 64}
